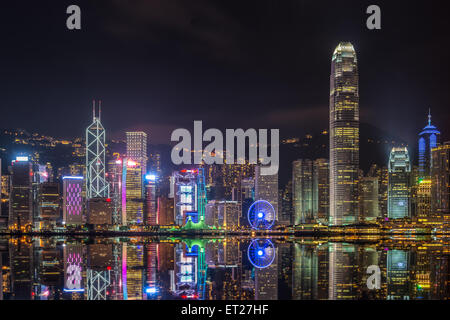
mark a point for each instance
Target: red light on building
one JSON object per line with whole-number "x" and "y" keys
{"x": 108, "y": 199}
{"x": 108, "y": 268}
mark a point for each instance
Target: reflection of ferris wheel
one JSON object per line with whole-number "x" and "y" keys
{"x": 261, "y": 253}
{"x": 261, "y": 215}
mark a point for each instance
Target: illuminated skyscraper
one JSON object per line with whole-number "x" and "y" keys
{"x": 223, "y": 214}
{"x": 369, "y": 198}
{"x": 302, "y": 190}
{"x": 399, "y": 185}
{"x": 114, "y": 179}
{"x": 73, "y": 200}
{"x": 132, "y": 193}
{"x": 99, "y": 211}
{"x": 321, "y": 190}
{"x": 166, "y": 211}
{"x": 20, "y": 197}
{"x": 96, "y": 185}
{"x": 185, "y": 194}
{"x": 151, "y": 213}
{"x": 440, "y": 194}
{"x": 428, "y": 139}
{"x": 344, "y": 135}
{"x": 266, "y": 188}
{"x": 423, "y": 200}
{"x": 137, "y": 148}
{"x": 310, "y": 190}
{"x": 49, "y": 203}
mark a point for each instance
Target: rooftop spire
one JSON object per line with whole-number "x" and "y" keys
{"x": 99, "y": 109}
{"x": 93, "y": 109}
{"x": 429, "y": 116}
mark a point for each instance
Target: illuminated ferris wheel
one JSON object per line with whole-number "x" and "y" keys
{"x": 261, "y": 215}
{"x": 261, "y": 253}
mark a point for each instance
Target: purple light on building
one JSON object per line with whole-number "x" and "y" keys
{"x": 73, "y": 200}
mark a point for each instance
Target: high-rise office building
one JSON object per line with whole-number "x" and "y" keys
{"x": 166, "y": 212}
{"x": 151, "y": 212}
{"x": 96, "y": 184}
{"x": 185, "y": 194}
{"x": 383, "y": 176}
{"x": 321, "y": 190}
{"x": 368, "y": 192}
{"x": 302, "y": 191}
{"x": 423, "y": 200}
{"x": 114, "y": 178}
{"x": 344, "y": 135}
{"x": 428, "y": 139}
{"x": 99, "y": 211}
{"x": 223, "y": 214}
{"x": 399, "y": 185}
{"x": 137, "y": 148}
{"x": 20, "y": 197}
{"x": 286, "y": 205}
{"x": 266, "y": 188}
{"x": 73, "y": 200}
{"x": 440, "y": 175}
{"x": 132, "y": 193}
{"x": 310, "y": 190}
{"x": 49, "y": 204}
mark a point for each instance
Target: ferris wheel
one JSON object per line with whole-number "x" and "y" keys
{"x": 261, "y": 253}
{"x": 261, "y": 215}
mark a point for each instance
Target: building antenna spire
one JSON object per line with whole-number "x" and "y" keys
{"x": 429, "y": 116}
{"x": 99, "y": 109}
{"x": 93, "y": 109}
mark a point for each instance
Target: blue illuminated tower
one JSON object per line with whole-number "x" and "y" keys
{"x": 96, "y": 184}
{"x": 428, "y": 139}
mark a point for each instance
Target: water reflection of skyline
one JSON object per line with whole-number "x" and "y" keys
{"x": 210, "y": 269}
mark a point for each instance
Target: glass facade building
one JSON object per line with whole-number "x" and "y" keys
{"x": 344, "y": 135}
{"x": 137, "y": 148}
{"x": 440, "y": 195}
{"x": 399, "y": 185}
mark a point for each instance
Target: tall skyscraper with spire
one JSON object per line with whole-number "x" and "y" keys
{"x": 96, "y": 184}
{"x": 344, "y": 135}
{"x": 428, "y": 139}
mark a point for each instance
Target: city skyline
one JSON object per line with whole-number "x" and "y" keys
{"x": 296, "y": 99}
{"x": 225, "y": 150}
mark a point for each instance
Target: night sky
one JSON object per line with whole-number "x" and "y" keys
{"x": 160, "y": 64}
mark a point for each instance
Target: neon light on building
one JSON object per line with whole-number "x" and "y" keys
{"x": 428, "y": 139}
{"x": 185, "y": 194}
{"x": 73, "y": 200}
{"x": 73, "y": 260}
